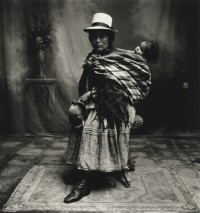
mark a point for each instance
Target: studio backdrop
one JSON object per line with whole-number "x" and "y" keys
{"x": 37, "y": 85}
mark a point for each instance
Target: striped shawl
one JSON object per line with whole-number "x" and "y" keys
{"x": 126, "y": 79}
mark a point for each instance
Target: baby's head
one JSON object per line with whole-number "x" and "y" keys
{"x": 149, "y": 50}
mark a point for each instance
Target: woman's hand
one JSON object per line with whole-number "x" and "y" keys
{"x": 185, "y": 85}
{"x": 85, "y": 97}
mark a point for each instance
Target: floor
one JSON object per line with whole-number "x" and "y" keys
{"x": 19, "y": 154}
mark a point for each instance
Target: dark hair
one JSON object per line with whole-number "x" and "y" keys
{"x": 109, "y": 33}
{"x": 152, "y": 52}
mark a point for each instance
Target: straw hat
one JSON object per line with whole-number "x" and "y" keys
{"x": 101, "y": 21}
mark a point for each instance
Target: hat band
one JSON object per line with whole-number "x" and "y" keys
{"x": 100, "y": 24}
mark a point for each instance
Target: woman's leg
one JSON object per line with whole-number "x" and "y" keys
{"x": 124, "y": 174}
{"x": 81, "y": 189}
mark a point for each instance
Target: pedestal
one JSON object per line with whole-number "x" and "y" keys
{"x": 42, "y": 90}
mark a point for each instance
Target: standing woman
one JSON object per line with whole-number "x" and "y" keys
{"x": 110, "y": 86}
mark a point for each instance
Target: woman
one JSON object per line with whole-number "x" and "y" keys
{"x": 113, "y": 81}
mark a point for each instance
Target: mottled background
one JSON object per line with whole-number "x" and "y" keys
{"x": 173, "y": 23}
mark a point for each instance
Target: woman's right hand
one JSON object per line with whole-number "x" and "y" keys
{"x": 85, "y": 97}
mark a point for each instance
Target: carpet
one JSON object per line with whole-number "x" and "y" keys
{"x": 152, "y": 190}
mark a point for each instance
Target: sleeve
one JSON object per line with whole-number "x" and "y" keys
{"x": 84, "y": 77}
{"x": 83, "y": 82}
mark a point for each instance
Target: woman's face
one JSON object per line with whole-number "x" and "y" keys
{"x": 99, "y": 40}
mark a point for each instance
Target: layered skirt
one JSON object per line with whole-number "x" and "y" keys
{"x": 98, "y": 147}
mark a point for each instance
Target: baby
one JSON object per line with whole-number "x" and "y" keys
{"x": 149, "y": 50}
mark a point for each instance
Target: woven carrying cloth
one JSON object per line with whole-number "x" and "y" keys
{"x": 126, "y": 68}
{"x": 121, "y": 77}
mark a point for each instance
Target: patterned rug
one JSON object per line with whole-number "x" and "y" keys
{"x": 152, "y": 190}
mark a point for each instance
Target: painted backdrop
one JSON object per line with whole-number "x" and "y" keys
{"x": 169, "y": 107}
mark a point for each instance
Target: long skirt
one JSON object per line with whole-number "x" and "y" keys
{"x": 98, "y": 147}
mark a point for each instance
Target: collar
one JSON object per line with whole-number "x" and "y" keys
{"x": 105, "y": 52}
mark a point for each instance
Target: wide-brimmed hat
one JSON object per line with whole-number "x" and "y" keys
{"x": 101, "y": 21}
{"x": 77, "y": 114}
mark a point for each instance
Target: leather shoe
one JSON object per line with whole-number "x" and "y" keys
{"x": 78, "y": 192}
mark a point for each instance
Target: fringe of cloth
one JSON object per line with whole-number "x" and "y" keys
{"x": 122, "y": 78}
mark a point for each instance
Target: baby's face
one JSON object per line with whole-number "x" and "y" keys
{"x": 139, "y": 50}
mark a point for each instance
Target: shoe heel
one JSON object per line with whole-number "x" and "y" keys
{"x": 87, "y": 192}
{"x": 127, "y": 180}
